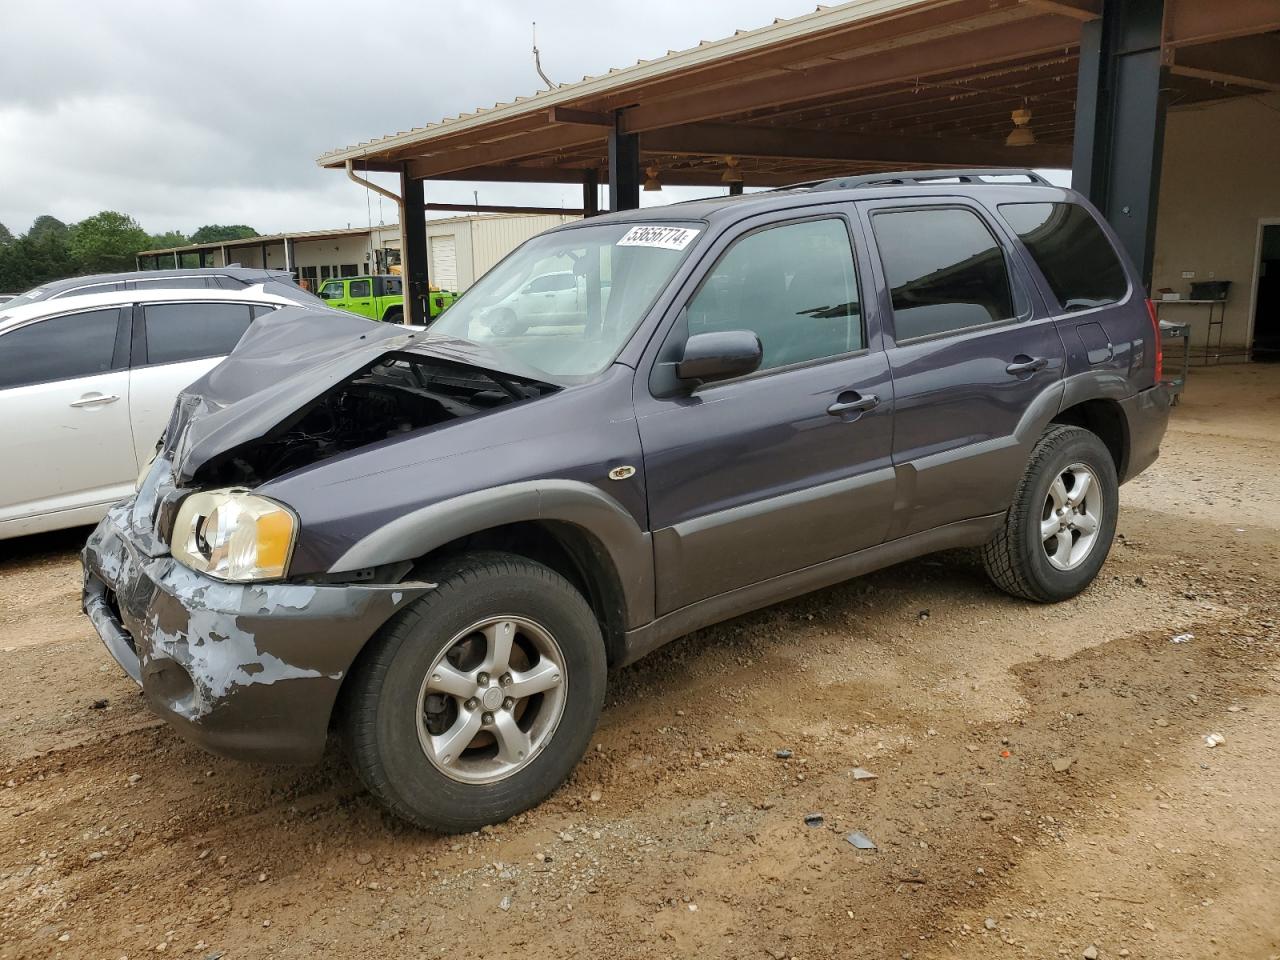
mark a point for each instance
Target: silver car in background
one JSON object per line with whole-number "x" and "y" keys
{"x": 87, "y": 383}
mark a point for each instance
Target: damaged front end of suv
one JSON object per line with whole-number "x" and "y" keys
{"x": 435, "y": 541}
{"x": 210, "y": 590}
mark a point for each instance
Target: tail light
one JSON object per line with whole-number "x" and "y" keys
{"x": 1159, "y": 341}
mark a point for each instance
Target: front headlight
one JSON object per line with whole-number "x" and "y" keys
{"x": 234, "y": 535}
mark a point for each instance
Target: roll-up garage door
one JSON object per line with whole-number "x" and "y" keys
{"x": 444, "y": 263}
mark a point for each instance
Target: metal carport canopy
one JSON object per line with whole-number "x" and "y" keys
{"x": 869, "y": 85}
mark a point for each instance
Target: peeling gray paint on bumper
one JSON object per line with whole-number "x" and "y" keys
{"x": 249, "y": 671}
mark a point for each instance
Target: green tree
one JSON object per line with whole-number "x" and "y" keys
{"x": 170, "y": 238}
{"x": 41, "y": 254}
{"x": 46, "y": 226}
{"x": 107, "y": 242}
{"x": 214, "y": 232}
{"x": 5, "y": 236}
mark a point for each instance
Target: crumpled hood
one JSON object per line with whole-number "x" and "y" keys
{"x": 286, "y": 360}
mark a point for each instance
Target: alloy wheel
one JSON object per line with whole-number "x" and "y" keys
{"x": 492, "y": 700}
{"x": 1072, "y": 517}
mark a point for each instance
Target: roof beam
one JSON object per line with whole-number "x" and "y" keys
{"x": 974, "y": 48}
{"x": 1051, "y": 77}
{"x": 589, "y": 118}
{"x": 1198, "y": 21}
{"x": 673, "y": 177}
{"x": 511, "y": 173}
{"x": 1080, "y": 10}
{"x": 548, "y": 140}
{"x": 718, "y": 139}
{"x": 500, "y": 208}
{"x": 1244, "y": 61}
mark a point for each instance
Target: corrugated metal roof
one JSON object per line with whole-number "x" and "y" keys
{"x": 743, "y": 41}
{"x": 305, "y": 235}
{"x": 254, "y": 241}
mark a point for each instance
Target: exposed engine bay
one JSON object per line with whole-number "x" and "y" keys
{"x": 396, "y": 395}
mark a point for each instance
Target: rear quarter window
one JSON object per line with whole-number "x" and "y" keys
{"x": 1069, "y": 247}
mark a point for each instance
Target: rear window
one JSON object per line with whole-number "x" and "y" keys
{"x": 193, "y": 331}
{"x": 1072, "y": 252}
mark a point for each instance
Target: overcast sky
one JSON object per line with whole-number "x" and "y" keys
{"x": 184, "y": 113}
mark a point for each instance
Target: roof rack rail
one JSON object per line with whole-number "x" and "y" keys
{"x": 922, "y": 177}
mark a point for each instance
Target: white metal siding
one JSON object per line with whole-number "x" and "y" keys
{"x": 492, "y": 238}
{"x": 444, "y": 262}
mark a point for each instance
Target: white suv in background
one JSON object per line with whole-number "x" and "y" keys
{"x": 87, "y": 384}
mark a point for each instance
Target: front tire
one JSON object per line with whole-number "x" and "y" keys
{"x": 1060, "y": 525}
{"x": 476, "y": 702}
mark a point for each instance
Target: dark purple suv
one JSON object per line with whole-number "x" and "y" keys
{"x": 439, "y": 541}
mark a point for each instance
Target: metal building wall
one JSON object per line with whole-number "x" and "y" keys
{"x": 460, "y": 230}
{"x": 492, "y": 238}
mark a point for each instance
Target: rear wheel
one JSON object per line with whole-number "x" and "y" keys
{"x": 394, "y": 315}
{"x": 477, "y": 701}
{"x": 1063, "y": 518}
{"x": 505, "y": 323}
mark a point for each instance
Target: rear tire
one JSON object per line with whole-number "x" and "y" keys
{"x": 434, "y": 713}
{"x": 1060, "y": 525}
{"x": 505, "y": 323}
{"x": 394, "y": 315}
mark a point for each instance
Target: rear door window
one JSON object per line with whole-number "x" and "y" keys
{"x": 60, "y": 348}
{"x": 360, "y": 288}
{"x": 1069, "y": 247}
{"x": 945, "y": 270}
{"x": 191, "y": 331}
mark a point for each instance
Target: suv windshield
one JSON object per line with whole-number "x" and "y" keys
{"x": 566, "y": 302}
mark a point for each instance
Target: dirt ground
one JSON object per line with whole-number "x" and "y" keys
{"x": 682, "y": 833}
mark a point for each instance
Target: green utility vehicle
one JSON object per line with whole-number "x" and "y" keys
{"x": 378, "y": 297}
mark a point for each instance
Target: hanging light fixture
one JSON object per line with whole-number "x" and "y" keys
{"x": 732, "y": 171}
{"x": 651, "y": 181}
{"x": 1021, "y": 135}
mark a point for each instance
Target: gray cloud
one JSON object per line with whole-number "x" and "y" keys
{"x": 184, "y": 114}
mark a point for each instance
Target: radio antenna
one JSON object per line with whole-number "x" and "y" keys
{"x": 537, "y": 59}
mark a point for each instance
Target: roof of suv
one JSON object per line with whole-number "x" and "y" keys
{"x": 871, "y": 187}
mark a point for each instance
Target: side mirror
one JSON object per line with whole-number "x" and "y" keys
{"x": 719, "y": 356}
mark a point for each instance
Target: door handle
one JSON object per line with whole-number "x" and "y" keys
{"x": 99, "y": 401}
{"x": 860, "y": 404}
{"x": 1029, "y": 365}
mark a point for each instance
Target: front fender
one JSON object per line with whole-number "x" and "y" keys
{"x": 421, "y": 531}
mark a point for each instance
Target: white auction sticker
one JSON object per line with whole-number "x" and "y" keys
{"x": 669, "y": 238}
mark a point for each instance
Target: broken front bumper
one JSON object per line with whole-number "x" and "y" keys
{"x": 249, "y": 671}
